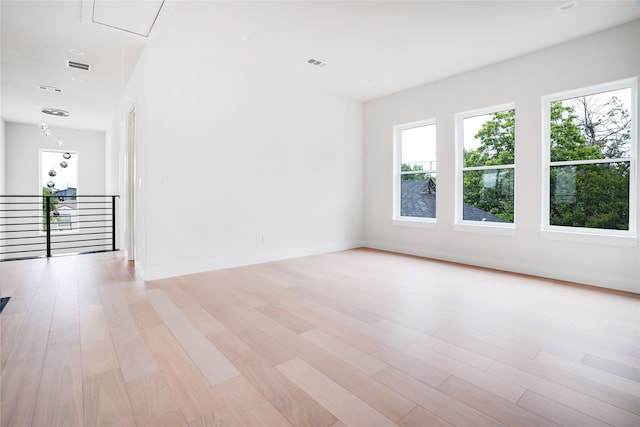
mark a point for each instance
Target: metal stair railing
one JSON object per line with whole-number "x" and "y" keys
{"x": 50, "y": 225}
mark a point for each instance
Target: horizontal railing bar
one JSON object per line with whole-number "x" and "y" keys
{"x": 21, "y": 223}
{"x": 25, "y": 237}
{"x": 53, "y": 195}
{"x": 21, "y": 252}
{"x": 106, "y": 241}
{"x": 78, "y": 247}
{"x": 57, "y": 233}
{"x": 76, "y": 234}
{"x": 23, "y": 244}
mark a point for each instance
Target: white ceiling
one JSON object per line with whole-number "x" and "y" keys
{"x": 371, "y": 48}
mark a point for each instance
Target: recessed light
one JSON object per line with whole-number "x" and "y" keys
{"x": 248, "y": 37}
{"x": 77, "y": 79}
{"x": 567, "y": 5}
{"x": 76, "y": 52}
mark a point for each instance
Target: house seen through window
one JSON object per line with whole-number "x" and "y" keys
{"x": 416, "y": 176}
{"x": 59, "y": 180}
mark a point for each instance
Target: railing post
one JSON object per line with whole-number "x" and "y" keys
{"x": 48, "y": 214}
{"x": 113, "y": 223}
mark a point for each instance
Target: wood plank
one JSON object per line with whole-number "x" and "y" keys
{"x": 106, "y": 402}
{"x": 585, "y": 371}
{"x": 566, "y": 396}
{"x": 118, "y": 314}
{"x": 285, "y": 318}
{"x": 208, "y": 359}
{"x": 152, "y": 402}
{"x": 206, "y": 323}
{"x": 98, "y": 351}
{"x": 410, "y": 365}
{"x": 435, "y": 401}
{"x": 376, "y": 395}
{"x": 60, "y": 393}
{"x": 134, "y": 357}
{"x": 144, "y": 315}
{"x": 340, "y": 402}
{"x": 557, "y": 412}
{"x": 420, "y": 417}
{"x": 359, "y": 326}
{"x": 459, "y": 353}
{"x": 293, "y": 403}
{"x": 9, "y": 328}
{"x": 251, "y": 332}
{"x": 189, "y": 387}
{"x": 31, "y": 345}
{"x": 245, "y": 406}
{"x": 613, "y": 367}
{"x": 505, "y": 389}
{"x": 352, "y": 355}
{"x": 491, "y": 405}
{"x": 65, "y": 328}
{"x": 19, "y": 386}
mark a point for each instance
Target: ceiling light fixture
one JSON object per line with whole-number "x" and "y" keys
{"x": 567, "y": 5}
{"x": 56, "y": 112}
{"x": 78, "y": 65}
{"x": 77, "y": 79}
{"x": 316, "y": 63}
{"x": 76, "y": 52}
{"x": 50, "y": 88}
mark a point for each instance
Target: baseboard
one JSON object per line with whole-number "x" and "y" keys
{"x": 160, "y": 272}
{"x": 616, "y": 283}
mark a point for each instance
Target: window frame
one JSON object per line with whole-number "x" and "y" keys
{"x": 584, "y": 234}
{"x": 461, "y": 224}
{"x": 397, "y": 218}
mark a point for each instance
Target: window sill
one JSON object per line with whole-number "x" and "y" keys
{"x": 592, "y": 238}
{"x": 486, "y": 228}
{"x": 415, "y": 222}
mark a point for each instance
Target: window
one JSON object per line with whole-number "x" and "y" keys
{"x": 415, "y": 172}
{"x": 59, "y": 178}
{"x": 590, "y": 143}
{"x": 486, "y": 159}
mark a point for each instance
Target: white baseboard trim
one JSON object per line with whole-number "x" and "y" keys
{"x": 161, "y": 272}
{"x": 609, "y": 282}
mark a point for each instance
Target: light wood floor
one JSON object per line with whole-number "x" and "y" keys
{"x": 355, "y": 338}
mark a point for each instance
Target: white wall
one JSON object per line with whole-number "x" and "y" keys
{"x": 599, "y": 58}
{"x": 23, "y": 142}
{"x": 2, "y": 157}
{"x": 240, "y": 167}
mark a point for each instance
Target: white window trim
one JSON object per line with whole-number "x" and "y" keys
{"x": 397, "y": 219}
{"x": 461, "y": 224}
{"x": 580, "y": 234}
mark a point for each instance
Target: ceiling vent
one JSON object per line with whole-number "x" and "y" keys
{"x": 56, "y": 112}
{"x": 316, "y": 63}
{"x": 50, "y": 88}
{"x": 78, "y": 65}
